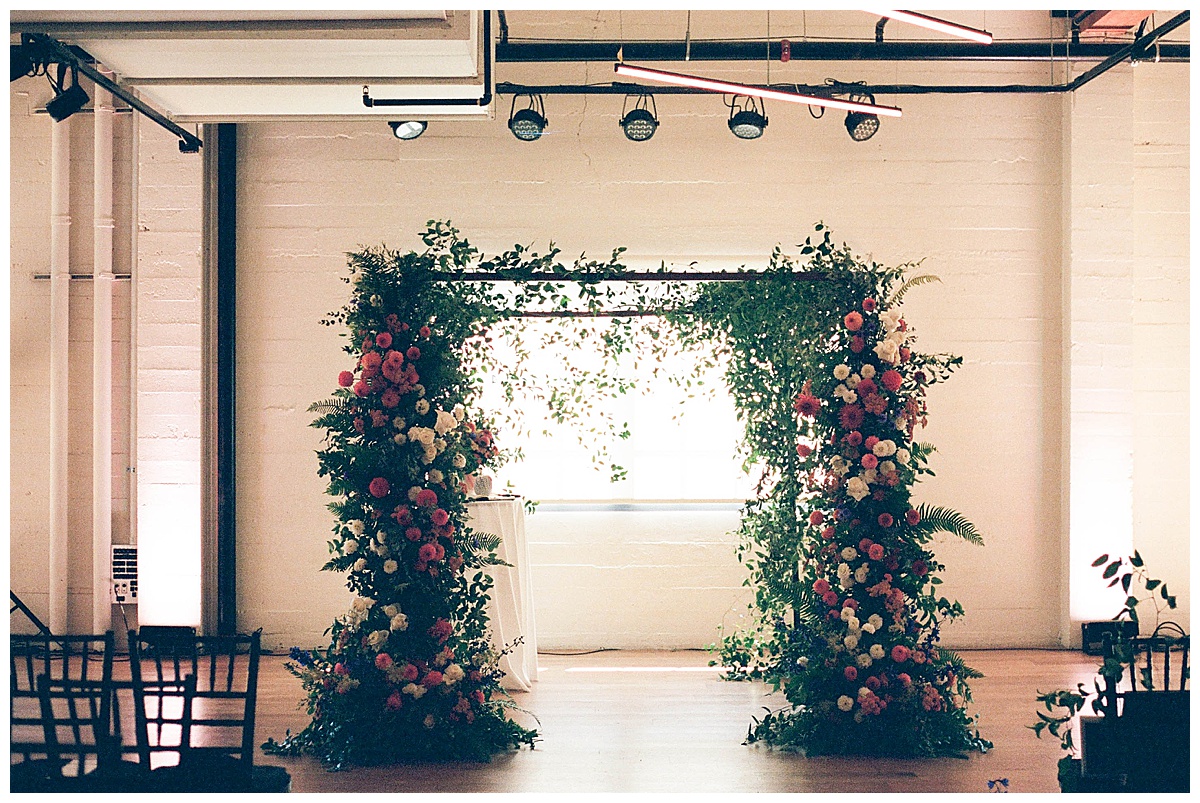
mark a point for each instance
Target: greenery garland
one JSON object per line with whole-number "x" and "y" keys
{"x": 410, "y": 674}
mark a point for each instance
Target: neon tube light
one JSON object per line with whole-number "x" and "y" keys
{"x": 743, "y": 89}
{"x": 935, "y": 24}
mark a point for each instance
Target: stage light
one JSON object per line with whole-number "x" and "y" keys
{"x": 746, "y": 119}
{"x": 20, "y": 62}
{"x": 529, "y": 123}
{"x": 935, "y": 24}
{"x": 66, "y": 102}
{"x": 407, "y": 129}
{"x": 641, "y": 121}
{"x": 726, "y": 88}
{"x": 861, "y": 126}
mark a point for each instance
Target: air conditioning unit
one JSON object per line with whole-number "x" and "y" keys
{"x": 124, "y": 574}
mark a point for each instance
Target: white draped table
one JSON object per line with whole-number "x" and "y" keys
{"x": 510, "y": 609}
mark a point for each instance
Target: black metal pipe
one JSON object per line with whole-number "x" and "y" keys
{"x": 188, "y": 142}
{"x": 226, "y": 378}
{"x": 519, "y": 52}
{"x": 632, "y": 276}
{"x": 1139, "y": 45}
{"x": 819, "y": 90}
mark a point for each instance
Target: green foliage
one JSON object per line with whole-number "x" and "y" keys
{"x": 943, "y": 520}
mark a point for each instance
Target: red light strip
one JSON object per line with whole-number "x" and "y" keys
{"x": 935, "y": 24}
{"x": 742, "y": 89}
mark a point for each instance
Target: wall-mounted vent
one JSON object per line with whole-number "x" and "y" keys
{"x": 124, "y": 574}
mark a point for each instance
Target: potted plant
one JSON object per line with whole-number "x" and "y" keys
{"x": 1118, "y": 736}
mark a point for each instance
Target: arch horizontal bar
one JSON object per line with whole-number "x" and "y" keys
{"x": 634, "y": 276}
{"x": 570, "y": 313}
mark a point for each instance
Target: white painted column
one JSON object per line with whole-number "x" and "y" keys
{"x": 60, "y": 270}
{"x": 102, "y": 363}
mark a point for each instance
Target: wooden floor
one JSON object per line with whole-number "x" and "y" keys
{"x": 621, "y": 721}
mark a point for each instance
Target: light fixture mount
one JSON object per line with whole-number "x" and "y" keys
{"x": 861, "y": 126}
{"x": 530, "y": 123}
{"x": 641, "y": 121}
{"x": 408, "y": 129}
{"x": 746, "y": 117}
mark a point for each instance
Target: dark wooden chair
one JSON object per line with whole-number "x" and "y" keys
{"x": 1156, "y": 712}
{"x": 216, "y": 722}
{"x": 60, "y": 693}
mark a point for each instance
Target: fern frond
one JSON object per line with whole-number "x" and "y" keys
{"x": 963, "y": 671}
{"x": 915, "y": 281}
{"x": 335, "y": 406}
{"x": 481, "y": 548}
{"x": 944, "y": 520}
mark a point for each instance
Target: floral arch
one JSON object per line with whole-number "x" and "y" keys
{"x": 824, "y": 374}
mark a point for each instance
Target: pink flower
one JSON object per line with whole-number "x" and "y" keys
{"x": 830, "y": 598}
{"x": 371, "y": 362}
{"x": 857, "y": 344}
{"x": 828, "y": 533}
{"x": 439, "y": 517}
{"x": 854, "y": 438}
{"x": 426, "y": 498}
{"x": 427, "y": 552}
{"x": 904, "y": 679}
{"x": 379, "y": 487}
{"x": 875, "y": 552}
{"x": 913, "y": 517}
{"x": 383, "y": 340}
{"x": 424, "y": 331}
{"x": 864, "y": 544}
{"x": 852, "y": 604}
{"x": 803, "y": 450}
{"x": 905, "y": 354}
{"x": 807, "y": 404}
{"x": 870, "y": 442}
{"x": 340, "y": 669}
{"x": 346, "y": 378}
{"x": 432, "y": 679}
{"x": 390, "y": 398}
{"x": 816, "y": 517}
{"x": 920, "y": 568}
{"x": 919, "y": 657}
{"x": 869, "y": 461}
{"x": 378, "y": 418}
{"x": 868, "y": 305}
{"x": 851, "y": 416}
{"x": 875, "y": 404}
{"x": 853, "y": 321}
{"x": 821, "y": 586}
{"x": 361, "y": 389}
{"x": 412, "y": 534}
{"x": 413, "y": 354}
{"x": 900, "y": 653}
{"x": 402, "y": 515}
{"x": 409, "y": 672}
{"x": 850, "y": 673}
{"x": 866, "y": 387}
{"x": 383, "y": 661}
{"x": 891, "y": 379}
{"x": 872, "y": 683}
{"x": 394, "y": 701}
{"x": 885, "y": 520}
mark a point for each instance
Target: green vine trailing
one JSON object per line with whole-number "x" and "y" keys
{"x": 824, "y": 377}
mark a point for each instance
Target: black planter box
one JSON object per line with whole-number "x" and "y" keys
{"x": 1096, "y": 633}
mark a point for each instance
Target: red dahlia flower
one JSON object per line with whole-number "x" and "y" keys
{"x": 440, "y": 517}
{"x": 868, "y": 305}
{"x": 816, "y": 517}
{"x": 866, "y": 387}
{"x": 346, "y": 378}
{"x": 886, "y": 520}
{"x": 807, "y": 404}
{"x": 383, "y": 340}
{"x": 413, "y": 353}
{"x": 900, "y": 653}
{"x": 891, "y": 379}
{"x": 913, "y": 517}
{"x": 857, "y": 344}
{"x": 920, "y": 568}
{"x": 379, "y": 487}
{"x": 851, "y": 416}
{"x": 424, "y": 331}
{"x": 850, "y": 673}
{"x": 803, "y": 450}
{"x": 875, "y": 552}
{"x": 426, "y": 498}
{"x": 394, "y": 701}
{"x": 432, "y": 680}
{"x": 853, "y": 321}
{"x": 821, "y": 586}
{"x": 413, "y": 534}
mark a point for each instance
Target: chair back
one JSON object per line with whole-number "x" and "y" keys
{"x": 72, "y": 664}
{"x": 1161, "y": 660}
{"x": 75, "y": 723}
{"x": 218, "y": 724}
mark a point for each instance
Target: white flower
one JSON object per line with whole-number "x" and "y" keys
{"x": 903, "y": 456}
{"x": 851, "y": 641}
{"x": 845, "y": 703}
{"x": 841, "y": 372}
{"x": 362, "y": 604}
{"x": 863, "y": 691}
{"x": 870, "y": 475}
{"x": 838, "y": 464}
{"x": 399, "y": 622}
{"x": 852, "y": 381}
{"x": 380, "y": 550}
{"x": 435, "y": 475}
{"x": 875, "y": 620}
{"x": 420, "y": 389}
{"x": 460, "y": 412}
{"x": 378, "y": 638}
{"x": 349, "y": 546}
{"x": 398, "y": 422}
{"x": 851, "y": 397}
{"x": 356, "y": 526}
{"x": 375, "y": 300}
{"x": 440, "y": 445}
{"x": 840, "y": 391}
{"x": 862, "y": 573}
{"x": 414, "y": 690}
{"x": 867, "y": 371}
{"x": 413, "y": 492}
{"x": 400, "y": 438}
{"x": 445, "y": 422}
{"x": 892, "y": 317}
{"x": 876, "y": 650}
{"x": 422, "y": 407}
{"x": 888, "y": 352}
{"x": 802, "y": 662}
{"x": 390, "y": 567}
{"x": 849, "y": 553}
{"x": 429, "y": 455}
{"x": 886, "y": 467}
{"x": 459, "y": 461}
{"x": 884, "y": 448}
{"x": 852, "y": 624}
{"x": 360, "y": 565}
{"x": 857, "y": 488}
{"x": 863, "y": 660}
{"x": 868, "y": 628}
{"x": 429, "y": 721}
{"x": 391, "y": 610}
{"x": 843, "y": 570}
{"x": 453, "y": 674}
{"x": 846, "y": 613}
